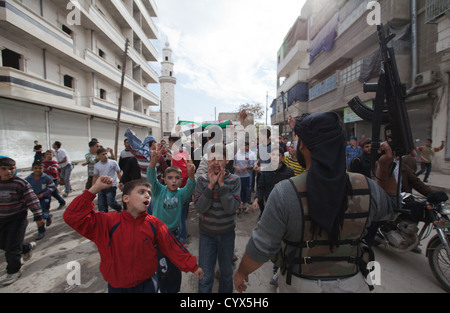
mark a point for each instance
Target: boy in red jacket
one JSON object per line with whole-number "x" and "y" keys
{"x": 126, "y": 240}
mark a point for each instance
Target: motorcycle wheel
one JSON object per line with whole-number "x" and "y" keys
{"x": 439, "y": 262}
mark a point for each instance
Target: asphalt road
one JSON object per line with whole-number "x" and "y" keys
{"x": 52, "y": 262}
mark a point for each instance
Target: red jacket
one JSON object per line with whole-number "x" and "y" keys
{"x": 127, "y": 246}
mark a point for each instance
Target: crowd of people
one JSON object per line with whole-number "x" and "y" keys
{"x": 146, "y": 232}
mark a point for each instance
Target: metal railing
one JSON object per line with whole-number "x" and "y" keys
{"x": 436, "y": 8}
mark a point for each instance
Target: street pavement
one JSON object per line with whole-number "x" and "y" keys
{"x": 51, "y": 268}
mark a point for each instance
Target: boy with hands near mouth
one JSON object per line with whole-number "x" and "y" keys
{"x": 217, "y": 197}
{"x": 128, "y": 241}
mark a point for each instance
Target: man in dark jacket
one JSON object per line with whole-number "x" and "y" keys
{"x": 362, "y": 163}
{"x": 272, "y": 174}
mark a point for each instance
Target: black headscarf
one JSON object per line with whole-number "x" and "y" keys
{"x": 327, "y": 181}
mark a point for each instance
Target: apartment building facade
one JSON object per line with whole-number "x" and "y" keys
{"x": 338, "y": 52}
{"x": 61, "y": 65}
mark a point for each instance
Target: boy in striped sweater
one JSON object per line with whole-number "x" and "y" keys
{"x": 16, "y": 197}
{"x": 217, "y": 197}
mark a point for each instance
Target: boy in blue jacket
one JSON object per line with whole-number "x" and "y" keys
{"x": 167, "y": 206}
{"x": 43, "y": 187}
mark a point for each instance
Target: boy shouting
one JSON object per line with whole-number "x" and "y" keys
{"x": 128, "y": 241}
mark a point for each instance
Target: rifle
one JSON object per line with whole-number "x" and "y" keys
{"x": 389, "y": 107}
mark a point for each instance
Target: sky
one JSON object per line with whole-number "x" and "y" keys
{"x": 224, "y": 52}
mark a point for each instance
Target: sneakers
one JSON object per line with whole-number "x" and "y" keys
{"x": 40, "y": 236}
{"x": 27, "y": 256}
{"x": 12, "y": 278}
{"x": 48, "y": 222}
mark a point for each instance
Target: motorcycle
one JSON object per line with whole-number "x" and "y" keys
{"x": 402, "y": 235}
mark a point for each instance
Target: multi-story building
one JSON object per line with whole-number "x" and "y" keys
{"x": 292, "y": 76}
{"x": 61, "y": 65}
{"x": 340, "y": 50}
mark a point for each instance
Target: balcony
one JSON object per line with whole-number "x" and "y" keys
{"x": 25, "y": 24}
{"x": 151, "y": 7}
{"x": 300, "y": 75}
{"x": 434, "y": 9}
{"x": 112, "y": 73}
{"x": 148, "y": 50}
{"x": 23, "y": 86}
{"x": 148, "y": 25}
{"x": 297, "y": 56}
{"x": 104, "y": 108}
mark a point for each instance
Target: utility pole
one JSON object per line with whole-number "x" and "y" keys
{"x": 267, "y": 105}
{"x": 284, "y": 113}
{"x": 119, "y": 110}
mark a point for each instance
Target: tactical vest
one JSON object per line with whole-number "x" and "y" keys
{"x": 312, "y": 258}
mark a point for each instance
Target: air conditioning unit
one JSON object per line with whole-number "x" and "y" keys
{"x": 424, "y": 78}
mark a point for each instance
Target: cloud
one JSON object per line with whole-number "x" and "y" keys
{"x": 226, "y": 49}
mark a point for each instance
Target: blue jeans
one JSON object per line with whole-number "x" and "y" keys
{"x": 169, "y": 276}
{"x": 183, "y": 221}
{"x": 212, "y": 248}
{"x": 245, "y": 189}
{"x": 424, "y": 167}
{"x": 56, "y": 195}
{"x": 65, "y": 173}
{"x": 107, "y": 197}
{"x": 45, "y": 206}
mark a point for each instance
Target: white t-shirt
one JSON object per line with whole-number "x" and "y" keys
{"x": 109, "y": 168}
{"x": 60, "y": 155}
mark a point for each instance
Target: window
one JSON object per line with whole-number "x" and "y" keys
{"x": 11, "y": 59}
{"x": 102, "y": 94}
{"x": 167, "y": 58}
{"x": 351, "y": 73}
{"x": 67, "y": 30}
{"x": 68, "y": 81}
{"x": 101, "y": 53}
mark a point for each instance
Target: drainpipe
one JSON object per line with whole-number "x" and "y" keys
{"x": 414, "y": 45}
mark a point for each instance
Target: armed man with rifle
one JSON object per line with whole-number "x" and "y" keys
{"x": 313, "y": 223}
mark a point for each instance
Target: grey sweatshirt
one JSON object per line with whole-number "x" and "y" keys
{"x": 217, "y": 207}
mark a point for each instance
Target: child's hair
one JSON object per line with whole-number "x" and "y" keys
{"x": 172, "y": 169}
{"x": 129, "y": 187}
{"x": 100, "y": 150}
{"x": 92, "y": 143}
{"x": 219, "y": 148}
{"x": 7, "y": 162}
{"x": 37, "y": 163}
{"x": 49, "y": 151}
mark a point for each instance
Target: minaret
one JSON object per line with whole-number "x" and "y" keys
{"x": 167, "y": 84}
